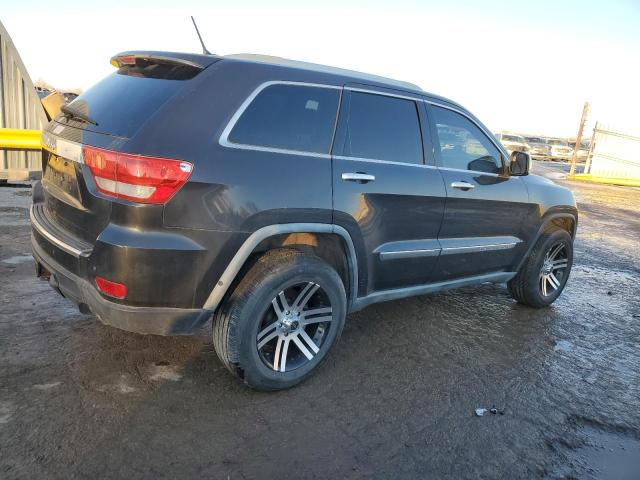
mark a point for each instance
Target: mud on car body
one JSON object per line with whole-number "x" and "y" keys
{"x": 277, "y": 196}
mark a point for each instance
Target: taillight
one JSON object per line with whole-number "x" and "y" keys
{"x": 113, "y": 289}
{"x": 135, "y": 177}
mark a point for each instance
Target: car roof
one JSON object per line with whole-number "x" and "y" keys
{"x": 203, "y": 61}
{"x": 314, "y": 67}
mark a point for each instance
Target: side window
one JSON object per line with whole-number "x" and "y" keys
{"x": 291, "y": 117}
{"x": 463, "y": 145}
{"x": 383, "y": 128}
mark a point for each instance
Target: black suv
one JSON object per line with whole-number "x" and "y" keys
{"x": 278, "y": 196}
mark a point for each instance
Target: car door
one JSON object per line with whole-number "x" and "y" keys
{"x": 485, "y": 209}
{"x": 385, "y": 194}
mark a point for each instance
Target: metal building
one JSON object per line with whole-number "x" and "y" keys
{"x": 613, "y": 155}
{"x": 20, "y": 107}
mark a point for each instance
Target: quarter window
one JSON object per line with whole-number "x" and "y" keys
{"x": 463, "y": 145}
{"x": 383, "y": 128}
{"x": 290, "y": 117}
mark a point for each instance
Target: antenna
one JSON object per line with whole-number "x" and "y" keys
{"x": 204, "y": 49}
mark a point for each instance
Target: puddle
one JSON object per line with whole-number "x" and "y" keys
{"x": 17, "y": 259}
{"x": 604, "y": 456}
{"x": 563, "y": 346}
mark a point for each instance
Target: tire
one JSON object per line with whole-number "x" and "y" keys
{"x": 272, "y": 346}
{"x": 533, "y": 286}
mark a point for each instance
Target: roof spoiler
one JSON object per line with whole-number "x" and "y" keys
{"x": 186, "y": 59}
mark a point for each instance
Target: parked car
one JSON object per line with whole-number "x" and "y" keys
{"x": 560, "y": 149}
{"x": 583, "y": 151}
{"x": 538, "y": 148}
{"x": 278, "y": 196}
{"x": 512, "y": 142}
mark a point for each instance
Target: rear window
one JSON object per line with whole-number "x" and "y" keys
{"x": 383, "y": 128}
{"x": 122, "y": 102}
{"x": 289, "y": 117}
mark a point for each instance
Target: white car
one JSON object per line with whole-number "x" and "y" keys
{"x": 538, "y": 148}
{"x": 560, "y": 149}
{"x": 513, "y": 142}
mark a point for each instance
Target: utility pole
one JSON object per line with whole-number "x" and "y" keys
{"x": 574, "y": 158}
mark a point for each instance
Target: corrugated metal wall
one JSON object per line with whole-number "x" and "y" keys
{"x": 614, "y": 154}
{"x": 20, "y": 106}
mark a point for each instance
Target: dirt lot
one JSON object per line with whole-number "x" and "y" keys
{"x": 396, "y": 398}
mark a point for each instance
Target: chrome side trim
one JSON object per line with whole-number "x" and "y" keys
{"x": 478, "y": 248}
{"x": 236, "y": 263}
{"x": 451, "y": 246}
{"x": 56, "y": 241}
{"x": 224, "y": 137}
{"x": 399, "y": 254}
{"x": 428, "y": 247}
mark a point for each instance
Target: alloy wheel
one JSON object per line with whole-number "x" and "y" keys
{"x": 554, "y": 268}
{"x": 294, "y": 328}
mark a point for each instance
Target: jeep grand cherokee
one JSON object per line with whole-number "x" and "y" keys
{"x": 276, "y": 197}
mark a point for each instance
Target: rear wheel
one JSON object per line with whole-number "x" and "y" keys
{"x": 544, "y": 275}
{"x": 281, "y": 320}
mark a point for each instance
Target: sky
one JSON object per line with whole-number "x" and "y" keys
{"x": 525, "y": 66}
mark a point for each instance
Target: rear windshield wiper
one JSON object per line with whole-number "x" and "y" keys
{"x": 71, "y": 113}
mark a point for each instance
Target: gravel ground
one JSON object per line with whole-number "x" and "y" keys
{"x": 396, "y": 398}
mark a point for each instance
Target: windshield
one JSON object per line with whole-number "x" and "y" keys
{"x": 512, "y": 138}
{"x": 557, "y": 141}
{"x": 534, "y": 140}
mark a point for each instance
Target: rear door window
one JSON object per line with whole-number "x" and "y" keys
{"x": 289, "y": 117}
{"x": 463, "y": 146}
{"x": 381, "y": 127}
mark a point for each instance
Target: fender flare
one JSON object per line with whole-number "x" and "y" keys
{"x": 249, "y": 245}
{"x": 546, "y": 220}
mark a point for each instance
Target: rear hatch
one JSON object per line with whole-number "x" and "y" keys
{"x": 106, "y": 117}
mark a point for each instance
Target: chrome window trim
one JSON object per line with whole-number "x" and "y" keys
{"x": 224, "y": 137}
{"x": 470, "y": 171}
{"x": 386, "y": 162}
{"x": 384, "y": 94}
{"x": 225, "y": 142}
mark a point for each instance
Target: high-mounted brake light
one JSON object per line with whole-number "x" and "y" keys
{"x": 134, "y": 177}
{"x": 113, "y": 289}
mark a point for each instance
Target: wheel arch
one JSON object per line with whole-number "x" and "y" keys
{"x": 294, "y": 235}
{"x": 567, "y": 220}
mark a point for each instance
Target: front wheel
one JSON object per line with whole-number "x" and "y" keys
{"x": 544, "y": 275}
{"x": 281, "y": 320}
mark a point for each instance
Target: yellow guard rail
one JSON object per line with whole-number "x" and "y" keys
{"x": 19, "y": 139}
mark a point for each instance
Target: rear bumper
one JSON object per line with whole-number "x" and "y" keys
{"x": 166, "y": 306}
{"x": 145, "y": 320}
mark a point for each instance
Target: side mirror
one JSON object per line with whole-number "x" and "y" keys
{"x": 520, "y": 164}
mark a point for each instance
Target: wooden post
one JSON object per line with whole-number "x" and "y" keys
{"x": 587, "y": 165}
{"x": 574, "y": 158}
